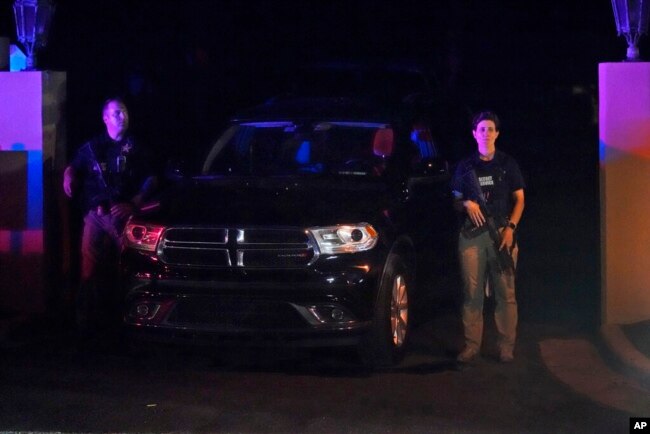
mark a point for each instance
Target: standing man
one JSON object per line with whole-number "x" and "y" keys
{"x": 113, "y": 176}
{"x": 493, "y": 178}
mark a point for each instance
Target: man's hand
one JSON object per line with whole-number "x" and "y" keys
{"x": 68, "y": 181}
{"x": 474, "y": 212}
{"x": 123, "y": 210}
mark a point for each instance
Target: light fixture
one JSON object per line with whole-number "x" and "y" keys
{"x": 33, "y": 18}
{"x": 631, "y": 21}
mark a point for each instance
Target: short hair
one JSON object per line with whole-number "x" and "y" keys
{"x": 107, "y": 101}
{"x": 486, "y": 116}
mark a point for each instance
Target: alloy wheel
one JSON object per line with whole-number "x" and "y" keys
{"x": 399, "y": 309}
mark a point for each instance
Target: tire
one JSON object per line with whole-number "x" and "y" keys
{"x": 386, "y": 342}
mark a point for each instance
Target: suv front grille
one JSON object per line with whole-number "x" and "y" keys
{"x": 242, "y": 248}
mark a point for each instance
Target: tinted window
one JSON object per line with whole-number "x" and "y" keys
{"x": 283, "y": 148}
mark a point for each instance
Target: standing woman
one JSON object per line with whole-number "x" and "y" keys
{"x": 501, "y": 187}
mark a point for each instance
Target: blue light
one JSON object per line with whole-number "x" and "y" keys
{"x": 17, "y": 60}
{"x": 34, "y": 186}
{"x": 303, "y": 156}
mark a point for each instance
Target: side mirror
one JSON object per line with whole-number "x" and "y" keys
{"x": 432, "y": 167}
{"x": 428, "y": 173}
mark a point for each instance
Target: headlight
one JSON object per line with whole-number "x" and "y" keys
{"x": 142, "y": 236}
{"x": 344, "y": 238}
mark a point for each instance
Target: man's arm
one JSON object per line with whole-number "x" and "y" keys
{"x": 149, "y": 186}
{"x": 69, "y": 181}
{"x": 126, "y": 209}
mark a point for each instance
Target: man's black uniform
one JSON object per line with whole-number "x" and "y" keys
{"x": 109, "y": 172}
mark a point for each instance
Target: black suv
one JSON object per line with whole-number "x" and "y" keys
{"x": 306, "y": 226}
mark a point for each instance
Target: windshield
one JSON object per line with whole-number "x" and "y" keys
{"x": 285, "y": 148}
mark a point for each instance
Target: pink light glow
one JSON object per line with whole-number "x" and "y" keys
{"x": 21, "y": 112}
{"x": 624, "y": 119}
{"x": 5, "y": 241}
{"x": 32, "y": 242}
{"x": 21, "y": 242}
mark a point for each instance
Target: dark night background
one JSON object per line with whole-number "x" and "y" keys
{"x": 185, "y": 66}
{"x": 192, "y": 63}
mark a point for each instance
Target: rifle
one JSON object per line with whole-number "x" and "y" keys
{"x": 102, "y": 201}
{"x": 504, "y": 262}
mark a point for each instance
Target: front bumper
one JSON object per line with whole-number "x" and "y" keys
{"x": 317, "y": 306}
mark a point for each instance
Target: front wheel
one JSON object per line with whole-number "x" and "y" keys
{"x": 385, "y": 343}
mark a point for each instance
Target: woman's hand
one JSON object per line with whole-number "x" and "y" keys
{"x": 507, "y": 238}
{"x": 473, "y": 210}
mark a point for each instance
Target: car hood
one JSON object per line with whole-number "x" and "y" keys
{"x": 272, "y": 201}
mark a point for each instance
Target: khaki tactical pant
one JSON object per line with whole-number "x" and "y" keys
{"x": 477, "y": 258}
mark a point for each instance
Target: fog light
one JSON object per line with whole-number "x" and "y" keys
{"x": 142, "y": 310}
{"x": 337, "y": 314}
{"x": 330, "y": 314}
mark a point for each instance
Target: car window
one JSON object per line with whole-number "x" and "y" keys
{"x": 284, "y": 148}
{"x": 421, "y": 138}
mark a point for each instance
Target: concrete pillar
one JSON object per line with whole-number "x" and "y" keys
{"x": 624, "y": 132}
{"x": 32, "y": 157}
